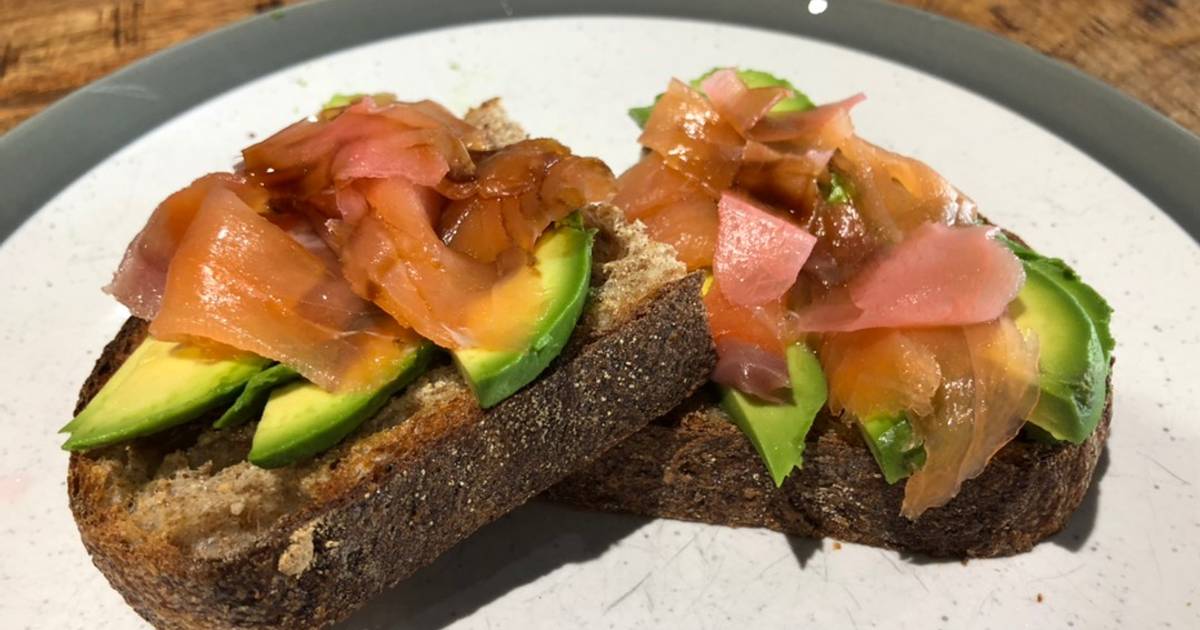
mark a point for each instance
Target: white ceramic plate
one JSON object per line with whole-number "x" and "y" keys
{"x": 1128, "y": 558}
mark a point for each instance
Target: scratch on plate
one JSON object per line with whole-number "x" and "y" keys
{"x": 1167, "y": 470}
{"x": 682, "y": 549}
{"x": 919, "y": 581}
{"x": 712, "y": 578}
{"x": 629, "y": 592}
{"x": 649, "y": 599}
{"x": 851, "y": 594}
{"x": 649, "y": 573}
{"x": 1060, "y": 575}
{"x": 883, "y": 554}
{"x": 984, "y": 601}
{"x": 772, "y": 565}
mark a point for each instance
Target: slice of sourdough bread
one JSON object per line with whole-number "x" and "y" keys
{"x": 193, "y": 536}
{"x": 695, "y": 465}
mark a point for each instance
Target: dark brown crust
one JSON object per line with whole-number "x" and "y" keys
{"x": 699, "y": 467}
{"x": 469, "y": 469}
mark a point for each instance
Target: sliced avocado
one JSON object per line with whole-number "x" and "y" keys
{"x": 841, "y": 189}
{"x": 301, "y": 419}
{"x": 753, "y": 79}
{"x": 1095, "y": 306}
{"x": 894, "y": 444}
{"x": 777, "y": 431}
{"x": 1072, "y": 368}
{"x": 161, "y": 385}
{"x": 563, "y": 263}
{"x": 254, "y": 395}
{"x": 341, "y": 100}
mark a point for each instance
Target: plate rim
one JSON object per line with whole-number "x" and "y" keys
{"x": 1152, "y": 153}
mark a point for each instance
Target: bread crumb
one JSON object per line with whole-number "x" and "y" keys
{"x": 1040, "y": 598}
{"x": 837, "y": 545}
{"x": 299, "y": 553}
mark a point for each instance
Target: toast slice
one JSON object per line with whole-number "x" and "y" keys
{"x": 696, "y": 465}
{"x": 194, "y": 536}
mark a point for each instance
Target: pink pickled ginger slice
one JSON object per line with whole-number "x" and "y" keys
{"x": 938, "y": 276}
{"x": 758, "y": 255}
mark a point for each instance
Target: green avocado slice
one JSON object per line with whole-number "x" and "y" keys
{"x": 301, "y": 419}
{"x": 776, "y": 430}
{"x": 753, "y": 79}
{"x": 250, "y": 402}
{"x": 161, "y": 385}
{"x": 894, "y": 445}
{"x": 1072, "y": 368}
{"x": 1061, "y": 273}
{"x": 1072, "y": 324}
{"x": 563, "y": 262}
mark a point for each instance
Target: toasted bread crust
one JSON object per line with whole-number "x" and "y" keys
{"x": 455, "y": 470}
{"x": 697, "y": 466}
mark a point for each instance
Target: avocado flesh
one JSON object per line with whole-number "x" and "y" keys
{"x": 162, "y": 384}
{"x": 1096, "y": 308}
{"x": 563, "y": 263}
{"x": 1072, "y": 368}
{"x": 250, "y": 402}
{"x": 894, "y": 445}
{"x": 301, "y": 419}
{"x": 776, "y": 430}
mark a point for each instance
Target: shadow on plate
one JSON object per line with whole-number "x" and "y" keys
{"x": 515, "y": 550}
{"x": 541, "y": 537}
{"x": 804, "y": 548}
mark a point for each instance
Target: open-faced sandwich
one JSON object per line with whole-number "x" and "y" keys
{"x": 893, "y": 369}
{"x": 383, "y": 329}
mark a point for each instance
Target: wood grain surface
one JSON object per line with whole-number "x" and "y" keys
{"x": 1149, "y": 48}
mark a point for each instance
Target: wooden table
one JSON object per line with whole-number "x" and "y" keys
{"x": 1149, "y": 48}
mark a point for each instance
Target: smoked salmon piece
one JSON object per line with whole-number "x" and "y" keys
{"x": 421, "y": 228}
{"x": 142, "y": 275}
{"x": 898, "y": 194}
{"x": 675, "y": 209}
{"x": 751, "y": 343}
{"x": 395, "y": 257}
{"x": 240, "y": 280}
{"x": 966, "y": 389}
{"x": 518, "y": 192}
{"x": 422, "y": 141}
{"x": 692, "y": 138}
{"x": 879, "y": 372}
{"x": 989, "y": 387}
